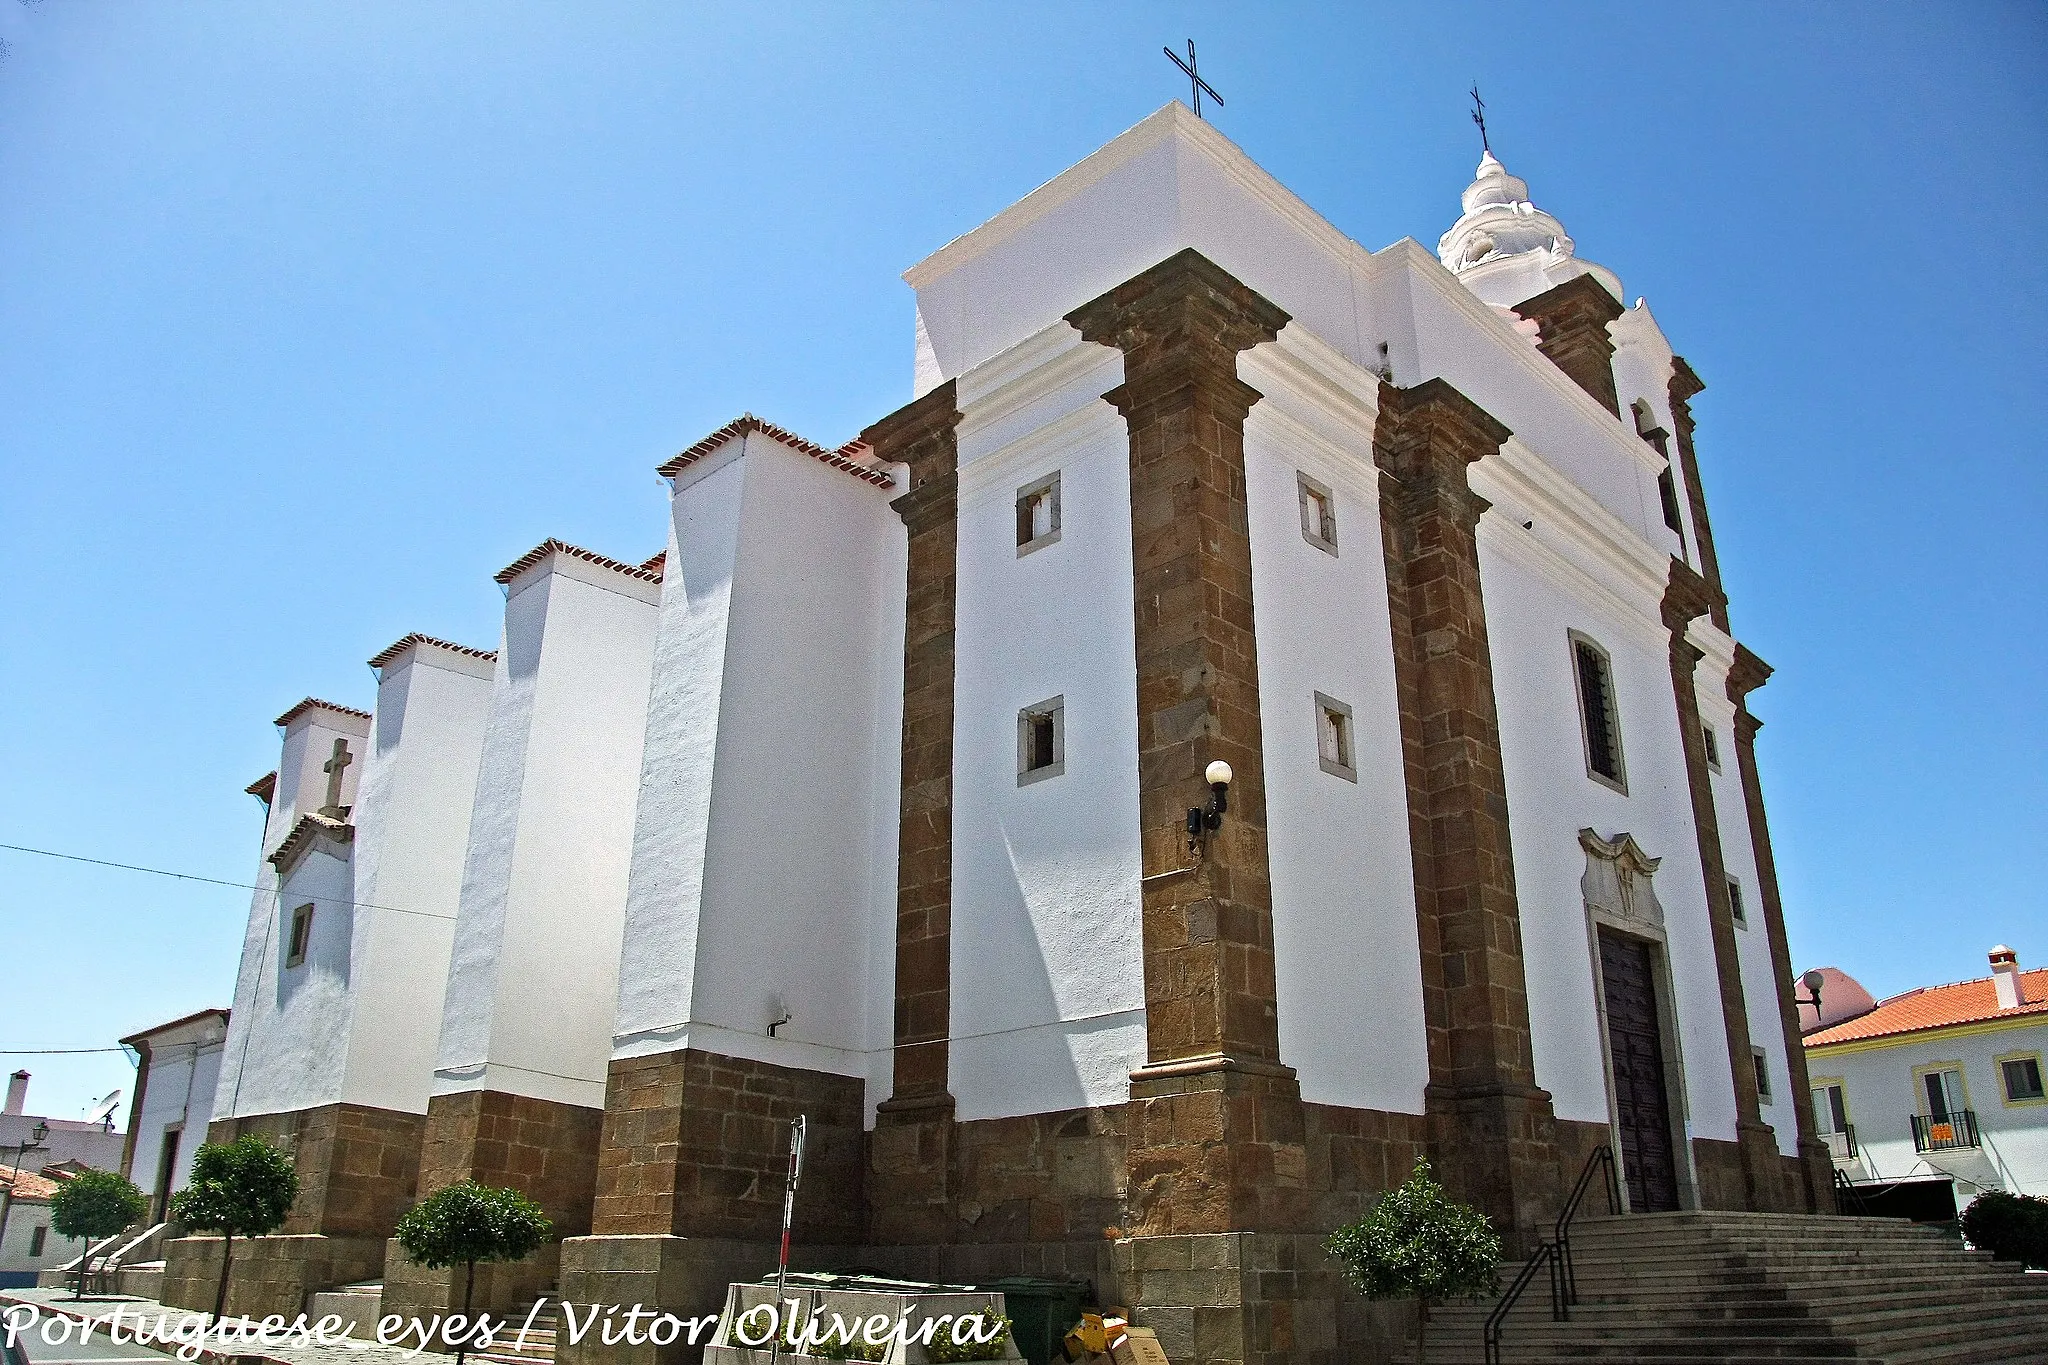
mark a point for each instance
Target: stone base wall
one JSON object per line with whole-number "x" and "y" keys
{"x": 686, "y": 1276}
{"x": 544, "y": 1149}
{"x": 267, "y": 1274}
{"x": 358, "y": 1166}
{"x": 1717, "y": 1167}
{"x": 697, "y": 1144}
{"x": 417, "y": 1293}
{"x": 1042, "y": 1178}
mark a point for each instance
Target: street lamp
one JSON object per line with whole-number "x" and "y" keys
{"x": 21, "y": 1149}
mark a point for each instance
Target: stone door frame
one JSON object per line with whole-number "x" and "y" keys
{"x": 1635, "y": 913}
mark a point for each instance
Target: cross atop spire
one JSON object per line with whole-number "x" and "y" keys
{"x": 1478, "y": 116}
{"x": 1195, "y": 81}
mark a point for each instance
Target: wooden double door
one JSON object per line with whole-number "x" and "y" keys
{"x": 1642, "y": 1101}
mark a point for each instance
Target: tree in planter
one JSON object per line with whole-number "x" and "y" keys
{"x": 467, "y": 1223}
{"x": 241, "y": 1188}
{"x": 92, "y": 1205}
{"x": 1415, "y": 1243}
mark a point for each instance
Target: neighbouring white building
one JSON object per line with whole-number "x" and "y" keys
{"x": 880, "y": 792}
{"x": 1939, "y": 1081}
{"x": 29, "y": 1244}
{"x": 177, "y": 1071}
{"x": 40, "y": 1140}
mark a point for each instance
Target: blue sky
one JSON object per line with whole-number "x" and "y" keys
{"x": 312, "y": 317}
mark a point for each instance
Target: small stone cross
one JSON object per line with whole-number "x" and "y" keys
{"x": 335, "y": 767}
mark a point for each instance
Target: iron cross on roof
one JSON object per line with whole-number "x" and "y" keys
{"x": 1479, "y": 117}
{"x": 1199, "y": 87}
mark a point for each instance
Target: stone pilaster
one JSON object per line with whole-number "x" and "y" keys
{"x": 911, "y": 1157}
{"x": 1816, "y": 1165}
{"x": 1571, "y": 328}
{"x": 1687, "y": 597}
{"x": 1684, "y": 385}
{"x": 545, "y": 1149}
{"x": 1491, "y": 1127}
{"x": 358, "y": 1168}
{"x": 1216, "y": 1123}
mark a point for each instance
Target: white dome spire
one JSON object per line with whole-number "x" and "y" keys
{"x": 1504, "y": 248}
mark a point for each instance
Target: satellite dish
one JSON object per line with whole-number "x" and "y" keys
{"x": 103, "y": 1112}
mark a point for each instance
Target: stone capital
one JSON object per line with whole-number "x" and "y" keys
{"x": 1427, "y": 437}
{"x": 1685, "y": 384}
{"x": 1183, "y": 321}
{"x": 1571, "y": 329}
{"x": 1687, "y": 597}
{"x": 921, "y": 434}
{"x": 1746, "y": 675}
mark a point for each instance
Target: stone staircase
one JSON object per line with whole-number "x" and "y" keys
{"x": 538, "y": 1348}
{"x": 1694, "y": 1288}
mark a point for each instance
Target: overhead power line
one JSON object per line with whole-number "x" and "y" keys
{"x": 213, "y": 881}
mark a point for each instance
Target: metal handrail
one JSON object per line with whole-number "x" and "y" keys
{"x": 1546, "y": 1253}
{"x": 1600, "y": 1158}
{"x": 1556, "y": 1253}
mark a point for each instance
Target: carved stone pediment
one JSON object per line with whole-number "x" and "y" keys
{"x": 1617, "y": 881}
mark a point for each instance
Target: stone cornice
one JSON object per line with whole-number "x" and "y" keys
{"x": 924, "y": 435}
{"x": 1746, "y": 675}
{"x": 1186, "y": 317}
{"x": 1571, "y": 321}
{"x": 1687, "y": 597}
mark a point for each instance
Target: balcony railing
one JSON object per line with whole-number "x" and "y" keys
{"x": 1842, "y": 1144}
{"x": 1946, "y": 1132}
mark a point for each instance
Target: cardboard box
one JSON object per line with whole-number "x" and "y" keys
{"x": 1139, "y": 1346}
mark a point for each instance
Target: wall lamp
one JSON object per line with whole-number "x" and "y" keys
{"x": 1813, "y": 981}
{"x": 1203, "y": 819}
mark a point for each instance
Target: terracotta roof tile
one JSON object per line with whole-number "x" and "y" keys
{"x": 1932, "y": 1007}
{"x": 28, "y": 1187}
{"x": 309, "y": 703}
{"x": 551, "y": 546}
{"x": 309, "y": 828}
{"x": 263, "y": 788}
{"x": 418, "y": 639}
{"x": 841, "y": 459}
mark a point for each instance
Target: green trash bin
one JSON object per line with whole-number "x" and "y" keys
{"x": 1043, "y": 1310}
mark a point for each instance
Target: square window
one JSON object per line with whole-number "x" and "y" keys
{"x": 35, "y": 1241}
{"x": 302, "y": 932}
{"x": 2022, "y": 1078}
{"x": 1041, "y": 741}
{"x": 1599, "y": 723}
{"x": 1713, "y": 743}
{"x": 1038, "y": 514}
{"x": 1334, "y": 752}
{"x": 1763, "y": 1074}
{"x": 1736, "y": 910}
{"x": 1318, "y": 513}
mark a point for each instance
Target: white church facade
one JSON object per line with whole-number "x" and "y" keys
{"x": 879, "y": 794}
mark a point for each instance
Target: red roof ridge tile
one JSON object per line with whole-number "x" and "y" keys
{"x": 311, "y": 702}
{"x": 552, "y": 546}
{"x": 399, "y": 647}
{"x": 844, "y": 458}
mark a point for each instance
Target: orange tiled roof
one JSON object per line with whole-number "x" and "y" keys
{"x": 28, "y": 1186}
{"x": 841, "y": 459}
{"x": 311, "y": 703}
{"x": 1931, "y": 1007}
{"x": 387, "y": 655}
{"x": 551, "y": 546}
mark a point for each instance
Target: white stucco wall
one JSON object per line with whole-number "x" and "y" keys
{"x": 184, "y": 1069}
{"x": 1047, "y": 962}
{"x": 753, "y": 890}
{"x": 1883, "y": 1094}
{"x": 23, "y": 1219}
{"x": 1344, "y": 929}
{"x": 533, "y": 974}
{"x": 412, "y": 824}
{"x": 286, "y": 1040}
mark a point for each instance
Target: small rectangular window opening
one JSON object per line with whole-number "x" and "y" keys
{"x": 1713, "y": 743}
{"x": 1041, "y": 741}
{"x": 1601, "y": 724}
{"x": 1830, "y": 1109}
{"x": 2022, "y": 1078}
{"x": 1736, "y": 910}
{"x": 1038, "y": 514}
{"x": 1318, "y": 513}
{"x": 35, "y": 1241}
{"x": 1334, "y": 751}
{"x": 302, "y": 930}
{"x": 1667, "y": 494}
{"x": 1763, "y": 1074}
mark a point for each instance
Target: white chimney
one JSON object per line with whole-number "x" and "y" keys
{"x": 17, "y": 1093}
{"x": 2005, "y": 978}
